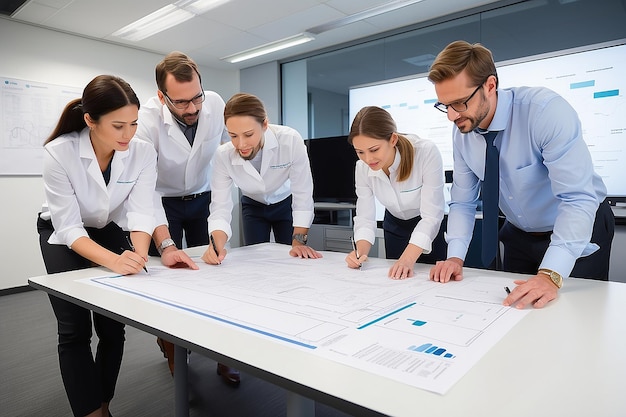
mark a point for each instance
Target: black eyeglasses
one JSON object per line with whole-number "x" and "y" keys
{"x": 183, "y": 104}
{"x": 457, "y": 107}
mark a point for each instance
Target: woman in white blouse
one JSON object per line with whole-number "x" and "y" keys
{"x": 99, "y": 186}
{"x": 270, "y": 165}
{"x": 405, "y": 173}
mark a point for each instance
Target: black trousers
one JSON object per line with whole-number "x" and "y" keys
{"x": 88, "y": 381}
{"x": 397, "y": 233}
{"x": 188, "y": 215}
{"x": 259, "y": 219}
{"x": 524, "y": 251}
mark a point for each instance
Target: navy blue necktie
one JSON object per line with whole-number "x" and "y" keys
{"x": 490, "y": 195}
{"x": 189, "y": 131}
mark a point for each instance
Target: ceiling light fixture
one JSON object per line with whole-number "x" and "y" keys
{"x": 309, "y": 35}
{"x": 166, "y": 17}
{"x": 269, "y": 48}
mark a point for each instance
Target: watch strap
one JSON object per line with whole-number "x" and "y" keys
{"x": 166, "y": 243}
{"x": 300, "y": 237}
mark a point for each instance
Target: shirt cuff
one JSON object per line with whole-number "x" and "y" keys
{"x": 559, "y": 260}
{"x": 221, "y": 225}
{"x": 456, "y": 249}
{"x": 421, "y": 240}
{"x": 303, "y": 219}
{"x": 141, "y": 223}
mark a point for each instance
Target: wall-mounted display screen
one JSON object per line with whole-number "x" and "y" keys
{"x": 590, "y": 78}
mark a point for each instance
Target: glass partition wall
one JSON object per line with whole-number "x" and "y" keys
{"x": 315, "y": 88}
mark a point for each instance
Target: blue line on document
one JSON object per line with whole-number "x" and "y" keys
{"x": 191, "y": 310}
{"x": 385, "y": 316}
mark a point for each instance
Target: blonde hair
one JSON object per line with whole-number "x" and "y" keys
{"x": 475, "y": 59}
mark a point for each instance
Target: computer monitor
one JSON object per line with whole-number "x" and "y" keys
{"x": 332, "y": 162}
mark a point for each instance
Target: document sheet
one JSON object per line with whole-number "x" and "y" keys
{"x": 423, "y": 333}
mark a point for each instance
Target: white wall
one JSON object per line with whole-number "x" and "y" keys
{"x": 295, "y": 103}
{"x": 264, "y": 82}
{"x": 37, "y": 54}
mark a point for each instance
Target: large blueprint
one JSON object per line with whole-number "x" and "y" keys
{"x": 423, "y": 333}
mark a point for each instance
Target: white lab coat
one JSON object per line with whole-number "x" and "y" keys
{"x": 183, "y": 169}
{"x": 285, "y": 171}
{"x": 77, "y": 196}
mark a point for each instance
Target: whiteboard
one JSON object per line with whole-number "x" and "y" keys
{"x": 29, "y": 112}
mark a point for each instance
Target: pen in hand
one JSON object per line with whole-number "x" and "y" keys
{"x": 214, "y": 248}
{"x": 355, "y": 252}
{"x": 508, "y": 291}
{"x": 132, "y": 248}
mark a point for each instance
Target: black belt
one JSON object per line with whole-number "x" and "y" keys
{"x": 189, "y": 197}
{"x": 536, "y": 234}
{"x": 540, "y": 234}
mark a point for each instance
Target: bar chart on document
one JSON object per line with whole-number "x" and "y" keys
{"x": 422, "y": 333}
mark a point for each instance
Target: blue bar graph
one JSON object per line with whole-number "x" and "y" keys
{"x": 431, "y": 349}
{"x": 582, "y": 84}
{"x": 420, "y": 348}
{"x": 608, "y": 93}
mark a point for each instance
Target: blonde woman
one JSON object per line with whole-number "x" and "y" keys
{"x": 405, "y": 173}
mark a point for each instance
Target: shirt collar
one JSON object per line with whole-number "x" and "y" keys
{"x": 502, "y": 115}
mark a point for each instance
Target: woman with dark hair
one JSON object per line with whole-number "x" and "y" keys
{"x": 405, "y": 173}
{"x": 99, "y": 186}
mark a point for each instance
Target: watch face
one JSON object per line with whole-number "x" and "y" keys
{"x": 556, "y": 278}
{"x": 299, "y": 237}
{"x": 167, "y": 243}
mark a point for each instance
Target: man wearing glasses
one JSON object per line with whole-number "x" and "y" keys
{"x": 558, "y": 223}
{"x": 186, "y": 125}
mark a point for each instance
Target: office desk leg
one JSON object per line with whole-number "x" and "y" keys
{"x": 181, "y": 397}
{"x": 299, "y": 406}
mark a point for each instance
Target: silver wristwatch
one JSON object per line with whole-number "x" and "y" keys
{"x": 300, "y": 237}
{"x": 165, "y": 244}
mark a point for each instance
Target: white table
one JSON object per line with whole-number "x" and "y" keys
{"x": 568, "y": 359}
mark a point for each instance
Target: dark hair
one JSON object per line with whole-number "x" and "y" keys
{"x": 243, "y": 104}
{"x": 377, "y": 123}
{"x": 179, "y": 65}
{"x": 103, "y": 94}
{"x": 475, "y": 59}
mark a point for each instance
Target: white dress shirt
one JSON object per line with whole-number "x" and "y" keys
{"x": 77, "y": 196}
{"x": 285, "y": 171}
{"x": 419, "y": 195}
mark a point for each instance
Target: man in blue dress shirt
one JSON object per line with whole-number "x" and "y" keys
{"x": 558, "y": 223}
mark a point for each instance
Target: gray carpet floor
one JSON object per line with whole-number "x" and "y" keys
{"x": 30, "y": 382}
